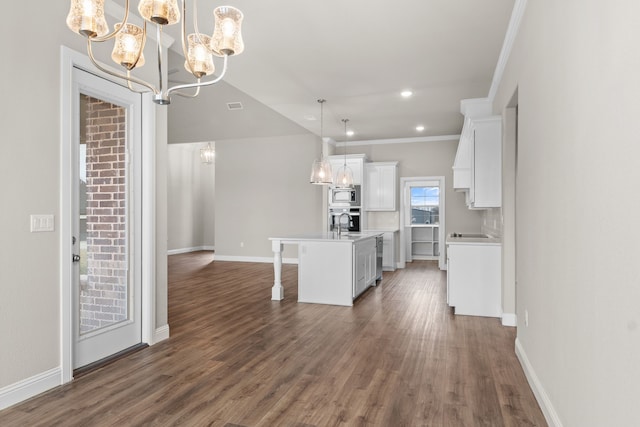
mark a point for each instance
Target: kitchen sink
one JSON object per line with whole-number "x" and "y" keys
{"x": 470, "y": 235}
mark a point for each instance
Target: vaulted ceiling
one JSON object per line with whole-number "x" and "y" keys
{"x": 358, "y": 55}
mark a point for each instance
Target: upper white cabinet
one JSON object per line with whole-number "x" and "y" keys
{"x": 477, "y": 169}
{"x": 380, "y": 184}
{"x": 486, "y": 168}
{"x": 354, "y": 161}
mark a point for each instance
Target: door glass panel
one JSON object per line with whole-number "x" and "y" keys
{"x": 104, "y": 283}
{"x": 425, "y": 202}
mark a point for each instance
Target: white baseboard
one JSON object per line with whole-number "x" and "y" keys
{"x": 509, "y": 319}
{"x": 30, "y": 387}
{"x": 187, "y": 250}
{"x": 252, "y": 259}
{"x": 542, "y": 397}
{"x": 161, "y": 334}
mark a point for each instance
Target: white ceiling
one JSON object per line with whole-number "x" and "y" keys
{"x": 359, "y": 55}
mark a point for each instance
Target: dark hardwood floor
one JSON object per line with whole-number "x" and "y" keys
{"x": 399, "y": 357}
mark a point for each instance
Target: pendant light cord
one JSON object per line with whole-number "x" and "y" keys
{"x": 345, "y": 143}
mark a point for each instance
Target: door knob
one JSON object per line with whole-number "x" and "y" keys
{"x": 76, "y": 258}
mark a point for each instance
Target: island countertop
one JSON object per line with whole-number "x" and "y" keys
{"x": 327, "y": 237}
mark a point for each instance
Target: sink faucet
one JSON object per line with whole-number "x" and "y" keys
{"x": 340, "y": 222}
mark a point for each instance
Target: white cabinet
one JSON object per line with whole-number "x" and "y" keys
{"x": 474, "y": 279}
{"x": 389, "y": 251}
{"x": 380, "y": 184}
{"x": 477, "y": 168}
{"x": 354, "y": 161}
{"x": 486, "y": 168}
{"x": 365, "y": 265}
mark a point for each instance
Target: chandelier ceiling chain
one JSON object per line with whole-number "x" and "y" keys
{"x": 87, "y": 18}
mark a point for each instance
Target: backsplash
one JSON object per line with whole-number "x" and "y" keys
{"x": 383, "y": 220}
{"x": 492, "y": 222}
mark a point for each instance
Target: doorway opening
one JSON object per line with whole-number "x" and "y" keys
{"x": 422, "y": 220}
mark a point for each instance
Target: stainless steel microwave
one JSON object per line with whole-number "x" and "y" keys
{"x": 344, "y": 196}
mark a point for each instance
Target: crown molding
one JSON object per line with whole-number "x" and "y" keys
{"x": 509, "y": 38}
{"x": 397, "y": 140}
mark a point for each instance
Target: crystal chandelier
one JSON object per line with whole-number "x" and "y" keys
{"x": 321, "y": 169}
{"x": 87, "y": 18}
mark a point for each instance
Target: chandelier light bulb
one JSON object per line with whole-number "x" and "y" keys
{"x": 199, "y": 60}
{"x": 86, "y": 17}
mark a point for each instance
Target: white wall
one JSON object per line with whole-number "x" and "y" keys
{"x": 30, "y": 177}
{"x": 262, "y": 191}
{"x": 190, "y": 196}
{"x": 575, "y": 66}
{"x": 433, "y": 158}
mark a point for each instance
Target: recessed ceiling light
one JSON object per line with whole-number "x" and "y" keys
{"x": 419, "y": 128}
{"x": 350, "y": 133}
{"x": 406, "y": 93}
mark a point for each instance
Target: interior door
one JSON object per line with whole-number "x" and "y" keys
{"x": 106, "y": 240}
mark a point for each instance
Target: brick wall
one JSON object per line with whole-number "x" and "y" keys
{"x": 104, "y": 288}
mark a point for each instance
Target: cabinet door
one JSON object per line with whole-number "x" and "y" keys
{"x": 486, "y": 177}
{"x": 380, "y": 186}
{"x": 388, "y": 251}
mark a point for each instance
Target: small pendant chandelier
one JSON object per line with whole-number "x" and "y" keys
{"x": 344, "y": 179}
{"x": 207, "y": 154}
{"x": 321, "y": 169}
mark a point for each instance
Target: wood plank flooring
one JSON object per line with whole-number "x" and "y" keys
{"x": 235, "y": 358}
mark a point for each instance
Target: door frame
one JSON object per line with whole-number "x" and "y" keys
{"x": 69, "y": 60}
{"x": 403, "y": 213}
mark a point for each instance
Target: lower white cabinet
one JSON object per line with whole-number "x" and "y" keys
{"x": 474, "y": 279}
{"x": 365, "y": 265}
{"x": 389, "y": 251}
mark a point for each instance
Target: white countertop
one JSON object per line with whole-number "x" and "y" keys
{"x": 473, "y": 240}
{"x": 381, "y": 230}
{"x": 328, "y": 237}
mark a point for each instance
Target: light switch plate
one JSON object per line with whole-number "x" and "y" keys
{"x": 41, "y": 223}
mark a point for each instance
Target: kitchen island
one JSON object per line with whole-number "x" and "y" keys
{"x": 332, "y": 269}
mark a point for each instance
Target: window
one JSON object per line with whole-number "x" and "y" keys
{"x": 425, "y": 203}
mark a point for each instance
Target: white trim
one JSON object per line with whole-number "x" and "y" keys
{"x": 187, "y": 250}
{"x": 148, "y": 242}
{"x": 509, "y": 319}
{"x": 442, "y": 260}
{"x": 512, "y": 31}
{"x": 268, "y": 260}
{"x": 397, "y": 140}
{"x": 161, "y": 334}
{"x": 27, "y": 388}
{"x": 546, "y": 406}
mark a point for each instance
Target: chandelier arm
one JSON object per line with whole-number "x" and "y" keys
{"x": 130, "y": 86}
{"x": 183, "y": 35}
{"x": 200, "y": 83}
{"x": 128, "y": 78}
{"x": 189, "y": 95}
{"x": 114, "y": 32}
{"x": 195, "y": 27}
